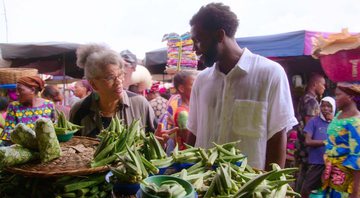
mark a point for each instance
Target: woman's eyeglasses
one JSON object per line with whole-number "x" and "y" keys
{"x": 112, "y": 79}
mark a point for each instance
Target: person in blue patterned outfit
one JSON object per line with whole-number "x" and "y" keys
{"x": 341, "y": 177}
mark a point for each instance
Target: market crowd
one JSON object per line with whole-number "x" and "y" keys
{"x": 239, "y": 96}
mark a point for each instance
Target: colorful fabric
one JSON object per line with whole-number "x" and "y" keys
{"x": 332, "y": 193}
{"x": 154, "y": 88}
{"x": 159, "y": 106}
{"x": 17, "y": 113}
{"x": 342, "y": 154}
{"x": 167, "y": 119}
{"x": 180, "y": 118}
{"x": 2, "y": 123}
{"x": 290, "y": 146}
{"x": 180, "y": 52}
{"x": 32, "y": 81}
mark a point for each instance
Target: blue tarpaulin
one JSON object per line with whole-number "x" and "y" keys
{"x": 279, "y": 45}
{"x": 296, "y": 43}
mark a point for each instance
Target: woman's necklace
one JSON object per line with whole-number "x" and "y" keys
{"x": 109, "y": 113}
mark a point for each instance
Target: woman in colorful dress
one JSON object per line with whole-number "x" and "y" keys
{"x": 341, "y": 177}
{"x": 29, "y": 106}
{"x": 157, "y": 102}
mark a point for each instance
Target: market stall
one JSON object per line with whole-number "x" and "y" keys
{"x": 78, "y": 166}
{"x": 292, "y": 50}
{"x": 58, "y": 59}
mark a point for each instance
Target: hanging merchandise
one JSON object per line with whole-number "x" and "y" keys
{"x": 339, "y": 55}
{"x": 180, "y": 53}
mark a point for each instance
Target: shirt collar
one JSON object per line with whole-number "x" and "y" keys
{"x": 125, "y": 99}
{"x": 243, "y": 64}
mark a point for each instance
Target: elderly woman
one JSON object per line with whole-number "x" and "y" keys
{"x": 103, "y": 69}
{"x": 29, "y": 107}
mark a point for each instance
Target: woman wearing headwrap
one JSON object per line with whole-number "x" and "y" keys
{"x": 341, "y": 177}
{"x": 29, "y": 106}
{"x": 315, "y": 135}
{"x": 157, "y": 102}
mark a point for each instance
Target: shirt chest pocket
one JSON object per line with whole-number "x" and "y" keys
{"x": 249, "y": 118}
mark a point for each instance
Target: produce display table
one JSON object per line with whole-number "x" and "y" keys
{"x": 75, "y": 160}
{"x": 54, "y": 178}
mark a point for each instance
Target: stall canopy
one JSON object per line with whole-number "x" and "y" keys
{"x": 288, "y": 44}
{"x": 53, "y": 58}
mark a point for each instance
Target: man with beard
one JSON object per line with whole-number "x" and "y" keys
{"x": 241, "y": 96}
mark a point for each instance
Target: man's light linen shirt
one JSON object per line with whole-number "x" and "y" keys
{"x": 251, "y": 103}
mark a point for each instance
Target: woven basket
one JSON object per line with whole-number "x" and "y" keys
{"x": 74, "y": 161}
{"x": 12, "y": 75}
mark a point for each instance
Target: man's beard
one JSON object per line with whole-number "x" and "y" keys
{"x": 210, "y": 57}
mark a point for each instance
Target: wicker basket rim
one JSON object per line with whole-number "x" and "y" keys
{"x": 25, "y": 169}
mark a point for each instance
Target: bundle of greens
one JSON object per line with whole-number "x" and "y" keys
{"x": 114, "y": 140}
{"x": 16, "y": 154}
{"x": 24, "y": 136}
{"x": 169, "y": 188}
{"x": 82, "y": 186}
{"x": 49, "y": 146}
{"x": 64, "y": 126}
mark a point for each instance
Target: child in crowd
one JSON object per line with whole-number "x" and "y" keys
{"x": 178, "y": 108}
{"x": 315, "y": 136}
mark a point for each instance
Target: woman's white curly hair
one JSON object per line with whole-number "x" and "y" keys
{"x": 94, "y": 57}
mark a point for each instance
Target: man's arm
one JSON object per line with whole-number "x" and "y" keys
{"x": 276, "y": 150}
